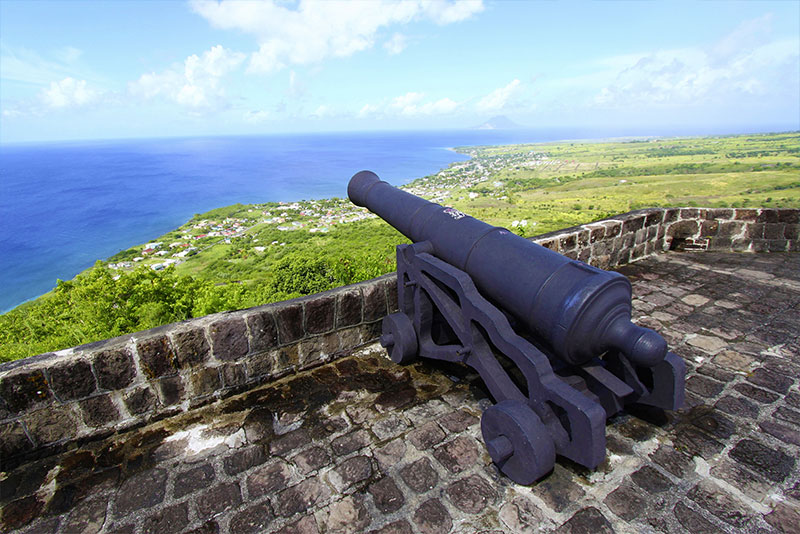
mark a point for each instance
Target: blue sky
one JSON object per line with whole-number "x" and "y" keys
{"x": 115, "y": 69}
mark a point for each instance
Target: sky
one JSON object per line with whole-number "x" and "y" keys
{"x": 74, "y": 70}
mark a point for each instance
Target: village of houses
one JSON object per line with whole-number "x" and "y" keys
{"x": 321, "y": 215}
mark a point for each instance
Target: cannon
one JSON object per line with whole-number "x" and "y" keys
{"x": 551, "y": 337}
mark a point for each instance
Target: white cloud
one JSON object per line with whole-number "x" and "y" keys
{"x": 396, "y": 44}
{"x": 256, "y": 116}
{"x": 197, "y": 84}
{"x": 500, "y": 98}
{"x": 744, "y": 63}
{"x": 314, "y": 30}
{"x": 368, "y": 110}
{"x": 411, "y": 104}
{"x": 69, "y": 92}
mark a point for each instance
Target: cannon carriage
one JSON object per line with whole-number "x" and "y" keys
{"x": 551, "y": 337}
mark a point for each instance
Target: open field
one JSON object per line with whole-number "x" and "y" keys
{"x": 244, "y": 255}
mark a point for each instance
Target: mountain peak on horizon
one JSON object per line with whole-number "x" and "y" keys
{"x": 498, "y": 122}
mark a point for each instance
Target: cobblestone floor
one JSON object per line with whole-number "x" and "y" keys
{"x": 361, "y": 445}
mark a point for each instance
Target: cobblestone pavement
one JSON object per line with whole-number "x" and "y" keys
{"x": 361, "y": 445}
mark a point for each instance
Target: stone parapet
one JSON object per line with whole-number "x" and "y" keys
{"x": 621, "y": 239}
{"x": 51, "y": 400}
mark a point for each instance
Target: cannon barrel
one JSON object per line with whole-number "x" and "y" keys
{"x": 577, "y": 310}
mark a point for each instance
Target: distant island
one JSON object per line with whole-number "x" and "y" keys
{"x": 498, "y": 122}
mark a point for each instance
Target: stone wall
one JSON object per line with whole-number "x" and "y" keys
{"x": 47, "y": 402}
{"x": 629, "y": 237}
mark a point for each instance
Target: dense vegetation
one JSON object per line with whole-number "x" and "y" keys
{"x": 241, "y": 256}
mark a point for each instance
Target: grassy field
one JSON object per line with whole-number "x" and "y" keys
{"x": 244, "y": 255}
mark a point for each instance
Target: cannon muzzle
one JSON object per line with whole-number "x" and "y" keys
{"x": 577, "y": 310}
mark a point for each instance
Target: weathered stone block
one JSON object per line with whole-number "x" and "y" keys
{"x": 218, "y": 499}
{"x": 397, "y": 527}
{"x": 768, "y": 215}
{"x": 720, "y": 503}
{"x": 433, "y": 518}
{"x": 654, "y": 217}
{"x": 263, "y": 330}
{"x": 233, "y": 374}
{"x": 597, "y": 233}
{"x": 72, "y": 380}
{"x": 626, "y": 502}
{"x": 289, "y": 442}
{"x": 703, "y": 386}
{"x": 715, "y": 424}
{"x": 587, "y": 520}
{"x": 244, "y": 459}
{"x": 374, "y": 301}
{"x": 784, "y": 517}
{"x": 785, "y": 414}
{"x": 651, "y": 480}
{"x": 772, "y": 464}
{"x": 156, "y": 356}
{"x": 143, "y": 490}
{"x": 558, "y": 490}
{"x": 24, "y": 389}
{"x": 471, "y": 494}
{"x": 390, "y": 454}
{"x": 13, "y": 441}
{"x": 252, "y": 520}
{"x": 791, "y": 232}
{"x": 21, "y": 512}
{"x": 289, "y": 319}
{"x": 320, "y": 314}
{"x": 229, "y": 338}
{"x": 692, "y": 521}
{"x": 426, "y": 436}
{"x": 457, "y": 455}
{"x": 301, "y": 497}
{"x": 386, "y": 496}
{"x": 520, "y": 515}
{"x": 347, "y": 516}
{"x": 311, "y": 459}
{"x": 349, "y": 443}
{"x": 318, "y": 348}
{"x": 99, "y": 411}
{"x": 633, "y": 224}
{"x": 420, "y": 476}
{"x": 205, "y": 381}
{"x": 170, "y": 520}
{"x": 683, "y": 229}
{"x": 114, "y": 368}
{"x": 754, "y": 231}
{"x": 51, "y": 425}
{"x": 193, "y": 480}
{"x": 140, "y": 400}
{"x": 348, "y": 308}
{"x": 693, "y": 442}
{"x": 171, "y": 390}
{"x": 191, "y": 347}
{"x": 757, "y": 394}
{"x": 269, "y": 479}
{"x": 351, "y": 471}
{"x": 567, "y": 242}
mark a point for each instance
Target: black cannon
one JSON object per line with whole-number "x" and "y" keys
{"x": 552, "y": 338}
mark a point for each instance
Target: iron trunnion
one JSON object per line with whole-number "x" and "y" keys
{"x": 551, "y": 337}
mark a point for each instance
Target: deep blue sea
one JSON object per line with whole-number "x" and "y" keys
{"x": 65, "y": 205}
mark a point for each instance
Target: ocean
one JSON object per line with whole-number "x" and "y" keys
{"x": 65, "y": 205}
